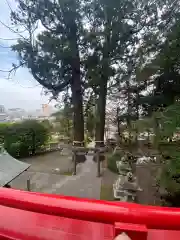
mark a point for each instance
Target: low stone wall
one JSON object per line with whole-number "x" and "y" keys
{"x": 50, "y": 148}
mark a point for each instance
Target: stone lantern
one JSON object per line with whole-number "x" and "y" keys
{"x": 126, "y": 186}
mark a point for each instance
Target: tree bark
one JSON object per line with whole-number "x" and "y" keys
{"x": 104, "y": 77}
{"x": 76, "y": 88}
{"x": 101, "y": 113}
{"x": 118, "y": 122}
{"x": 128, "y": 110}
{"x": 78, "y": 119}
{"x": 137, "y": 117}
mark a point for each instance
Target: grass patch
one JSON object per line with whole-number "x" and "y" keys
{"x": 106, "y": 193}
{"x": 67, "y": 173}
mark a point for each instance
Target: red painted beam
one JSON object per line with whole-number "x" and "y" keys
{"x": 134, "y": 231}
{"x": 92, "y": 210}
{"x": 17, "y": 224}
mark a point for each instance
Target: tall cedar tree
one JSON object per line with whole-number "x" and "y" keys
{"x": 56, "y": 55}
{"x": 53, "y": 55}
{"x": 117, "y": 27}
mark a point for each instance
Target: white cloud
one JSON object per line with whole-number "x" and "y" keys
{"x": 22, "y": 91}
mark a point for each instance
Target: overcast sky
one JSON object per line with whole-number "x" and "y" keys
{"x": 22, "y": 90}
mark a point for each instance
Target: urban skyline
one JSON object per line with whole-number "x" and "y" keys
{"x": 3, "y": 107}
{"x": 18, "y": 114}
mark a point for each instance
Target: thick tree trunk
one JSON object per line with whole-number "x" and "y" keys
{"x": 101, "y": 116}
{"x": 78, "y": 119}
{"x": 118, "y": 122}
{"x": 137, "y": 117}
{"x": 101, "y": 113}
{"x": 128, "y": 110}
{"x": 76, "y": 88}
{"x": 101, "y": 102}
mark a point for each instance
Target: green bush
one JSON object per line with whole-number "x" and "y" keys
{"x": 87, "y": 139}
{"x": 47, "y": 124}
{"x": 14, "y": 149}
{"x": 25, "y": 138}
{"x": 111, "y": 161}
{"x": 111, "y": 143}
{"x": 3, "y": 129}
{"x": 169, "y": 179}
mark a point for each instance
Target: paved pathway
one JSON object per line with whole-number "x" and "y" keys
{"x": 85, "y": 184}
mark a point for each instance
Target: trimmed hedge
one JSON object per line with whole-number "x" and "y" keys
{"x": 3, "y": 129}
{"x": 25, "y": 138}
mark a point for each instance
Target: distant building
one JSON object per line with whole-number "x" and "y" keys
{"x": 3, "y": 114}
{"x": 16, "y": 113}
{"x": 47, "y": 110}
{"x": 3, "y": 117}
{"x": 19, "y": 114}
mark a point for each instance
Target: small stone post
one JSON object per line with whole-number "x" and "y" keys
{"x": 74, "y": 161}
{"x": 98, "y": 163}
{"x": 28, "y": 185}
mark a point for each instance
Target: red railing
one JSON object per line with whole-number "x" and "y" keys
{"x": 132, "y": 218}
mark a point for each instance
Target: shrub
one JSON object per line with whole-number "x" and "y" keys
{"x": 111, "y": 161}
{"x": 170, "y": 177}
{"x": 87, "y": 139}
{"x": 14, "y": 149}
{"x": 25, "y": 138}
{"x": 47, "y": 124}
{"x": 111, "y": 143}
{"x": 3, "y": 129}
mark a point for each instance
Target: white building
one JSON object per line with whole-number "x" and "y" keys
{"x": 2, "y": 109}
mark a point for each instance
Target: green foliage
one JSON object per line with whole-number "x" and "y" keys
{"x": 3, "y": 128}
{"x": 89, "y": 114}
{"x": 53, "y": 56}
{"x": 60, "y": 19}
{"x": 15, "y": 149}
{"x": 87, "y": 139}
{"x": 170, "y": 176}
{"x": 170, "y": 120}
{"x": 69, "y": 53}
{"x": 90, "y": 124}
{"x": 47, "y": 124}
{"x": 111, "y": 161}
{"x": 144, "y": 124}
{"x": 164, "y": 69}
{"x": 64, "y": 121}
{"x": 23, "y": 139}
